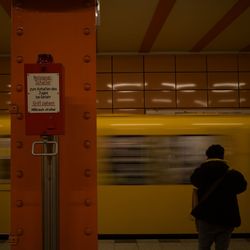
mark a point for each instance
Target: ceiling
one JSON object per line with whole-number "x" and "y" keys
{"x": 162, "y": 26}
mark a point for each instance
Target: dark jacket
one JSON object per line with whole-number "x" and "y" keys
{"x": 221, "y": 206}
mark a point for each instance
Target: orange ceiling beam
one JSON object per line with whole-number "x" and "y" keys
{"x": 221, "y": 25}
{"x": 161, "y": 13}
{"x": 6, "y": 4}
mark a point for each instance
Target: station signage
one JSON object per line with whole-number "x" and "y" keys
{"x": 43, "y": 90}
{"x": 44, "y": 99}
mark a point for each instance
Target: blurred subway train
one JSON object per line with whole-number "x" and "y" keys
{"x": 144, "y": 164}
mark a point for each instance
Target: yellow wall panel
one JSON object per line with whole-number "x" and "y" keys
{"x": 4, "y": 100}
{"x": 129, "y": 111}
{"x": 104, "y": 99}
{"x": 128, "y": 81}
{"x": 244, "y": 80}
{"x": 128, "y": 99}
{"x": 100, "y": 111}
{"x": 127, "y": 63}
{"x": 223, "y": 80}
{"x": 193, "y": 63}
{"x": 159, "y": 63}
{"x": 244, "y": 62}
{"x": 159, "y": 81}
{"x": 4, "y": 65}
{"x": 245, "y": 98}
{"x": 223, "y": 98}
{"x": 222, "y": 62}
{"x": 192, "y": 99}
{"x": 104, "y": 64}
{"x": 163, "y": 72}
{"x": 160, "y": 99}
{"x": 104, "y": 81}
{"x": 191, "y": 81}
{"x": 5, "y": 83}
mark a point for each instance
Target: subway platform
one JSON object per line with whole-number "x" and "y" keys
{"x": 154, "y": 244}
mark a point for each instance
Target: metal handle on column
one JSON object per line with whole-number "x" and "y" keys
{"x": 43, "y": 143}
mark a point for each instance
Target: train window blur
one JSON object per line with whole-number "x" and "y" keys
{"x": 4, "y": 159}
{"x": 126, "y": 160}
{"x": 155, "y": 160}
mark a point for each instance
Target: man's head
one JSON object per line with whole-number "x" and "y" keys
{"x": 215, "y": 151}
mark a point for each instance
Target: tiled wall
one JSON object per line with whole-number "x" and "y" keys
{"x": 140, "y": 84}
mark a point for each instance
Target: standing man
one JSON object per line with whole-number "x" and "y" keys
{"x": 217, "y": 212}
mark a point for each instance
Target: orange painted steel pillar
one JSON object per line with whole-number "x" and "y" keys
{"x": 67, "y": 31}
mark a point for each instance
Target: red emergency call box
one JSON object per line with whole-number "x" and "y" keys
{"x": 44, "y": 102}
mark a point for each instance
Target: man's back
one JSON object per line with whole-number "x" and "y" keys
{"x": 221, "y": 206}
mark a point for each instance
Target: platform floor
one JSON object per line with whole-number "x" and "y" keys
{"x": 168, "y": 244}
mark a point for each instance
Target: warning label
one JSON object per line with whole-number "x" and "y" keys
{"x": 43, "y": 92}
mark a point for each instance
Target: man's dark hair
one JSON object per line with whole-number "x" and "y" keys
{"x": 215, "y": 151}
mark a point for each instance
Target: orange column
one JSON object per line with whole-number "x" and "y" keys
{"x": 66, "y": 30}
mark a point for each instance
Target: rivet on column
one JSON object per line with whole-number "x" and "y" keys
{"x": 87, "y": 86}
{"x": 19, "y": 173}
{"x": 86, "y": 115}
{"x": 88, "y": 231}
{"x": 86, "y": 31}
{"x": 19, "y": 116}
{"x": 13, "y": 108}
{"x": 19, "y": 231}
{"x": 19, "y": 203}
{"x": 19, "y": 59}
{"x": 19, "y": 88}
{"x": 86, "y": 59}
{"x": 87, "y": 172}
{"x": 87, "y": 143}
{"x": 19, "y": 144}
{"x": 19, "y": 31}
{"x": 87, "y": 202}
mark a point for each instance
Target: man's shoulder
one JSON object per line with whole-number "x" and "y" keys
{"x": 214, "y": 162}
{"x": 237, "y": 180}
{"x": 235, "y": 172}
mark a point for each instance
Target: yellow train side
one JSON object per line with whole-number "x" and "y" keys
{"x": 144, "y": 164}
{"x": 4, "y": 183}
{"x": 164, "y": 207}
